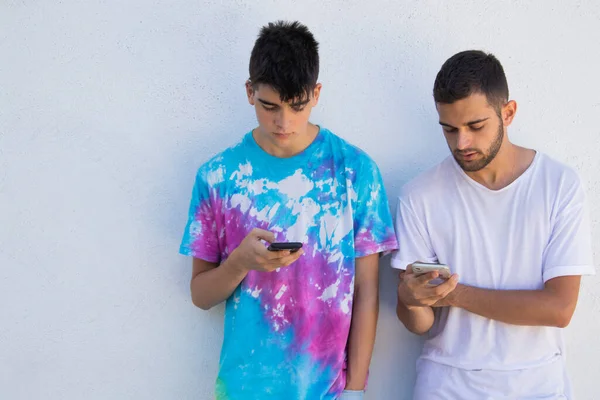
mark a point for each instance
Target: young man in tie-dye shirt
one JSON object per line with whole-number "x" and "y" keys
{"x": 297, "y": 325}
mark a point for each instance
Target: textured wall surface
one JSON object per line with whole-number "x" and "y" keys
{"x": 107, "y": 109}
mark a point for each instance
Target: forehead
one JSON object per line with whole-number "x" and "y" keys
{"x": 471, "y": 108}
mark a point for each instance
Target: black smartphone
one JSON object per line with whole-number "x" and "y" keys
{"x": 291, "y": 246}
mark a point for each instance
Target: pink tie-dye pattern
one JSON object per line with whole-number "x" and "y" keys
{"x": 206, "y": 244}
{"x": 319, "y": 327}
{"x": 299, "y": 307}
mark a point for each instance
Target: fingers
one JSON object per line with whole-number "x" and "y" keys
{"x": 290, "y": 258}
{"x": 271, "y": 260}
{"x": 422, "y": 280}
{"x": 419, "y": 280}
{"x": 433, "y": 294}
{"x": 262, "y": 234}
{"x": 418, "y": 292}
{"x": 283, "y": 261}
{"x": 273, "y": 255}
{"x": 445, "y": 288}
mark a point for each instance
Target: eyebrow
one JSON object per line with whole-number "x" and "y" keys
{"x": 296, "y": 104}
{"x": 468, "y": 123}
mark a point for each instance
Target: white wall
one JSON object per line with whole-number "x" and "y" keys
{"x": 108, "y": 108}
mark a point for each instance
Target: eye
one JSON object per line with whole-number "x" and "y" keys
{"x": 269, "y": 108}
{"x": 298, "y": 108}
{"x": 449, "y": 130}
{"x": 477, "y": 128}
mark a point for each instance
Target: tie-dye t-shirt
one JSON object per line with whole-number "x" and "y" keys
{"x": 286, "y": 331}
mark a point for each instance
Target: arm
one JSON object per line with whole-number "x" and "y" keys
{"x": 415, "y": 298}
{"x": 364, "y": 321}
{"x": 567, "y": 256}
{"x": 416, "y": 319}
{"x": 212, "y": 284}
{"x": 553, "y": 305}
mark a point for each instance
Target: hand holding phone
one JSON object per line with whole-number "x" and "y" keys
{"x": 252, "y": 255}
{"x": 416, "y": 289}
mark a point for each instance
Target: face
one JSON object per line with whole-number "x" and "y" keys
{"x": 474, "y": 131}
{"x": 282, "y": 126}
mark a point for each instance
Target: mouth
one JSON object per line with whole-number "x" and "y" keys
{"x": 470, "y": 156}
{"x": 282, "y": 135}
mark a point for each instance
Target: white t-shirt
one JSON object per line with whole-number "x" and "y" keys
{"x": 518, "y": 237}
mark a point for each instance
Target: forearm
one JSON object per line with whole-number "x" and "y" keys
{"x": 517, "y": 307}
{"x": 212, "y": 287}
{"x": 362, "y": 336}
{"x": 418, "y": 320}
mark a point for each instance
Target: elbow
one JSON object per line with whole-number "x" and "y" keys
{"x": 563, "y": 316}
{"x": 418, "y": 332}
{"x": 410, "y": 324}
{"x": 198, "y": 303}
{"x": 562, "y": 322}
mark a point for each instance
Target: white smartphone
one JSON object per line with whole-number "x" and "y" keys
{"x": 420, "y": 268}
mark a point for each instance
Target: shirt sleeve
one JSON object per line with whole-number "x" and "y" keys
{"x": 413, "y": 238}
{"x": 373, "y": 224}
{"x": 200, "y": 238}
{"x": 569, "y": 250}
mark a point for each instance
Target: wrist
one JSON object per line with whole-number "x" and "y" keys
{"x": 234, "y": 266}
{"x": 453, "y": 298}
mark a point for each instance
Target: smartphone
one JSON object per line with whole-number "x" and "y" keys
{"x": 291, "y": 246}
{"x": 423, "y": 268}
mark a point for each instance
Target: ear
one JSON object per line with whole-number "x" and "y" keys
{"x": 316, "y": 94}
{"x": 250, "y": 92}
{"x": 508, "y": 112}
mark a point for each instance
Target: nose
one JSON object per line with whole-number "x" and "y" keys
{"x": 283, "y": 120}
{"x": 463, "y": 139}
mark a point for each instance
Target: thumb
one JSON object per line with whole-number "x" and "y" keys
{"x": 262, "y": 234}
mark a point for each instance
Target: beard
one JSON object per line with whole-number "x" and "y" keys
{"x": 488, "y": 156}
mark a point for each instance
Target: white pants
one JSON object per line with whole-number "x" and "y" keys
{"x": 438, "y": 381}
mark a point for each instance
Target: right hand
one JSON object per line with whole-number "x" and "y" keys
{"x": 415, "y": 290}
{"x": 252, "y": 255}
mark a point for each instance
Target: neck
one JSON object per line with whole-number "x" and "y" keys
{"x": 510, "y": 163}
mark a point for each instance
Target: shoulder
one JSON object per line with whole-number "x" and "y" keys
{"x": 557, "y": 172}
{"x": 561, "y": 183}
{"x": 431, "y": 183}
{"x": 218, "y": 168}
{"x": 355, "y": 158}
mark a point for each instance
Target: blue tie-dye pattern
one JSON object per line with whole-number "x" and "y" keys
{"x": 268, "y": 379}
{"x": 286, "y": 331}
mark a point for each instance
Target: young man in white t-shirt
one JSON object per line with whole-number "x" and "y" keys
{"x": 511, "y": 224}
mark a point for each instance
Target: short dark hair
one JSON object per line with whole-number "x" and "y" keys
{"x": 469, "y": 72}
{"x": 285, "y": 56}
